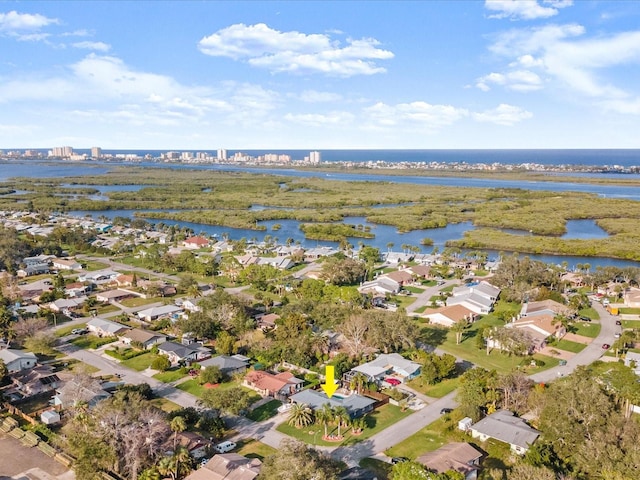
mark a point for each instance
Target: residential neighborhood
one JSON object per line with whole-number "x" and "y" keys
{"x": 240, "y": 352}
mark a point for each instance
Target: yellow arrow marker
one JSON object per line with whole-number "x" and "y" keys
{"x": 329, "y": 386}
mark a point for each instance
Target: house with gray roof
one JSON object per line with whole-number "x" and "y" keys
{"x": 178, "y": 353}
{"x": 391, "y": 364}
{"x": 503, "y": 425}
{"x": 356, "y": 405}
{"x": 228, "y": 364}
{"x": 18, "y": 360}
{"x": 147, "y": 338}
{"x": 632, "y": 360}
{"x": 105, "y": 328}
{"x": 154, "y": 313}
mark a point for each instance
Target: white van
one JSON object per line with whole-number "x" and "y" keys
{"x": 225, "y": 447}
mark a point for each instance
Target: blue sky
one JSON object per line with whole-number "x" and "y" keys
{"x": 320, "y": 75}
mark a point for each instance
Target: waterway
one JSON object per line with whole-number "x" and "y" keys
{"x": 385, "y": 236}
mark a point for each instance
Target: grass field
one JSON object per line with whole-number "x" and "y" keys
{"x": 91, "y": 341}
{"x": 192, "y": 387}
{"x": 589, "y": 312}
{"x": 254, "y": 449}
{"x": 170, "y": 375}
{"x": 139, "y": 301}
{"x": 165, "y": 405}
{"x": 585, "y": 329}
{"x": 428, "y": 439}
{"x": 141, "y": 362}
{"x": 64, "y": 331}
{"x": 438, "y": 390}
{"x": 631, "y": 324}
{"x": 630, "y": 311}
{"x": 497, "y": 360}
{"x": 569, "y": 346}
{"x": 413, "y": 289}
{"x": 377, "y": 421}
{"x": 264, "y": 412}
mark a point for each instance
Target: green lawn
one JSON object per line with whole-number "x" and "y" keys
{"x": 165, "y": 405}
{"x": 377, "y": 421}
{"x": 91, "y": 341}
{"x": 64, "y": 331}
{"x": 413, "y": 289}
{"x": 141, "y": 362}
{"x": 569, "y": 346}
{"x": 428, "y": 439}
{"x": 264, "y": 412}
{"x": 631, "y": 324}
{"x": 170, "y": 375}
{"x": 420, "y": 309}
{"x": 107, "y": 308}
{"x": 402, "y": 301}
{"x": 192, "y": 387}
{"x": 586, "y": 329}
{"x": 629, "y": 311}
{"x": 138, "y": 301}
{"x": 589, "y": 312}
{"x": 497, "y": 360}
{"x": 251, "y": 448}
{"x": 438, "y": 390}
{"x": 92, "y": 265}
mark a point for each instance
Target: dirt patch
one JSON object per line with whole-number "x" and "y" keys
{"x": 16, "y": 458}
{"x": 555, "y": 352}
{"x": 578, "y": 338}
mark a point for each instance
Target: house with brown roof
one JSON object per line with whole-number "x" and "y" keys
{"x": 402, "y": 277}
{"x": 632, "y": 298}
{"x": 420, "y": 271}
{"x": 113, "y": 295}
{"x": 448, "y": 316}
{"x": 544, "y": 307}
{"x": 124, "y": 280}
{"x": 66, "y": 264}
{"x": 539, "y": 328}
{"x": 198, "y": 446}
{"x": 279, "y": 386}
{"x": 457, "y": 456}
{"x": 227, "y": 466}
{"x": 196, "y": 242}
{"x": 267, "y": 321}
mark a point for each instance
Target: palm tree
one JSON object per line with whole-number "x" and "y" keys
{"x": 341, "y": 417}
{"x": 178, "y": 424}
{"x": 390, "y": 246}
{"x": 194, "y": 291}
{"x": 358, "y": 381}
{"x": 300, "y": 415}
{"x": 324, "y": 416}
{"x": 459, "y": 327}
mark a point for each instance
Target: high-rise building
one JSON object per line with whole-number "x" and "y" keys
{"x": 96, "y": 152}
{"x": 315, "y": 157}
{"x": 222, "y": 154}
{"x": 63, "y": 152}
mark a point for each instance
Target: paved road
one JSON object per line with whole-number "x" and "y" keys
{"x": 424, "y": 298}
{"x": 591, "y": 352}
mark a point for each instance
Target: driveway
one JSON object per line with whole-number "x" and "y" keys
{"x": 424, "y": 298}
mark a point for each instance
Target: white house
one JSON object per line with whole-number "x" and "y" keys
{"x": 17, "y": 360}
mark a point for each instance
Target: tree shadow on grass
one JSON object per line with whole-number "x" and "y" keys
{"x": 432, "y": 335}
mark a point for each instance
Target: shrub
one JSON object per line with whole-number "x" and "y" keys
{"x": 161, "y": 363}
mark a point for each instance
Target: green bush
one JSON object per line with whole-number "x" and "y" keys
{"x": 161, "y": 364}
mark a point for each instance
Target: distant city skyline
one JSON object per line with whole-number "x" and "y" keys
{"x": 318, "y": 75}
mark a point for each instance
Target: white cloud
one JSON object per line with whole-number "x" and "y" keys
{"x": 295, "y": 52}
{"x": 518, "y": 80}
{"x": 564, "y": 56}
{"x": 525, "y": 9}
{"x": 14, "y": 21}
{"x": 313, "y": 96}
{"x": 503, "y": 114}
{"x": 99, "y": 85}
{"x": 319, "y": 120}
{"x": 418, "y": 114}
{"x": 98, "y": 46}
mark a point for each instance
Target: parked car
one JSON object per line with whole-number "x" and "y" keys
{"x": 225, "y": 447}
{"x": 79, "y": 331}
{"x": 393, "y": 381}
{"x": 618, "y": 322}
{"x": 446, "y": 410}
{"x": 395, "y": 460}
{"x": 562, "y": 363}
{"x": 606, "y": 346}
